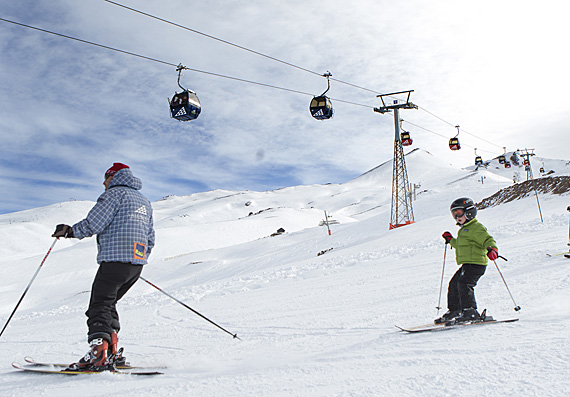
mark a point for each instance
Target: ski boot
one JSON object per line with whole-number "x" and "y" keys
{"x": 96, "y": 359}
{"x": 470, "y": 314}
{"x": 115, "y": 354}
{"x": 448, "y": 316}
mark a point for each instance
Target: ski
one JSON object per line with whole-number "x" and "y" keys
{"x": 444, "y": 327}
{"x": 32, "y": 368}
{"x": 33, "y": 363}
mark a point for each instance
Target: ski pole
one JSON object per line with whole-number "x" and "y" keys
{"x": 189, "y": 308}
{"x": 517, "y": 307}
{"x": 28, "y": 287}
{"x": 441, "y": 283}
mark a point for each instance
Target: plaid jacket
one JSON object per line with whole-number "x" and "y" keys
{"x": 122, "y": 221}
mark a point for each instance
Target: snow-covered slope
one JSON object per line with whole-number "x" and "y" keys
{"x": 310, "y": 324}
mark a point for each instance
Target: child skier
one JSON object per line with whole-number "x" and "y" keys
{"x": 473, "y": 246}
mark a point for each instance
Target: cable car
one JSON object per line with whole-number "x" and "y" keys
{"x": 541, "y": 170}
{"x": 478, "y": 159}
{"x": 527, "y": 168}
{"x": 321, "y": 106}
{"x": 406, "y": 140}
{"x": 503, "y": 157}
{"x": 526, "y": 162}
{"x": 507, "y": 164}
{"x": 184, "y": 106}
{"x": 454, "y": 144}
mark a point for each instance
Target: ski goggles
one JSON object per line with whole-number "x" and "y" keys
{"x": 458, "y": 213}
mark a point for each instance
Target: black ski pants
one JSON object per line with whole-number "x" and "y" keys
{"x": 460, "y": 293}
{"x": 112, "y": 281}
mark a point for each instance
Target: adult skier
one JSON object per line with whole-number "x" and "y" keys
{"x": 122, "y": 220}
{"x": 473, "y": 246}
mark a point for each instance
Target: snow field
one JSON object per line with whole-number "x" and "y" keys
{"x": 311, "y": 325}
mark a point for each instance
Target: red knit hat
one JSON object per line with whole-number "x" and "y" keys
{"x": 116, "y": 167}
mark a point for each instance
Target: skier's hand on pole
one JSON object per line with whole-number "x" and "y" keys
{"x": 64, "y": 231}
{"x": 447, "y": 236}
{"x": 492, "y": 253}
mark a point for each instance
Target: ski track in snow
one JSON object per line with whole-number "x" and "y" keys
{"x": 311, "y": 325}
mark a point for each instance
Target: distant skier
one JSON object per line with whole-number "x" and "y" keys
{"x": 122, "y": 220}
{"x": 473, "y": 246}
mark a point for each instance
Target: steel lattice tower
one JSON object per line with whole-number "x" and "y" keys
{"x": 402, "y": 211}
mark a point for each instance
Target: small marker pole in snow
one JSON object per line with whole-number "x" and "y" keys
{"x": 188, "y": 307}
{"x": 517, "y": 307}
{"x": 441, "y": 283}
{"x": 568, "y": 209}
{"x": 327, "y": 222}
{"x": 28, "y": 287}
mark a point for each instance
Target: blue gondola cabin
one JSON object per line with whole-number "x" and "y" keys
{"x": 321, "y": 108}
{"x": 185, "y": 106}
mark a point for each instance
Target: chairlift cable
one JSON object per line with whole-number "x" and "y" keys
{"x": 173, "y": 64}
{"x": 212, "y": 37}
{"x": 231, "y": 77}
{"x": 443, "y": 136}
{"x": 238, "y": 46}
{"x": 88, "y": 42}
{"x": 462, "y": 130}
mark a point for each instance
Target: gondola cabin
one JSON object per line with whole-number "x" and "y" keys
{"x": 527, "y": 168}
{"x": 541, "y": 170}
{"x": 502, "y": 159}
{"x": 478, "y": 160}
{"x": 454, "y": 144}
{"x": 507, "y": 164}
{"x": 185, "y": 106}
{"x": 526, "y": 162}
{"x": 321, "y": 108}
{"x": 406, "y": 140}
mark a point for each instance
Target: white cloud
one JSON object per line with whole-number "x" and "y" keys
{"x": 496, "y": 69}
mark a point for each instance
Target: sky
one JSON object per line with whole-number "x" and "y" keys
{"x": 69, "y": 110}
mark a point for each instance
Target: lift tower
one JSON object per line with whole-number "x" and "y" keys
{"x": 526, "y": 155}
{"x": 402, "y": 211}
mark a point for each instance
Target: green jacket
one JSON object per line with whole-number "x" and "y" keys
{"x": 471, "y": 243}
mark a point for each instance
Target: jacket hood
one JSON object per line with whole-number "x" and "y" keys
{"x": 125, "y": 177}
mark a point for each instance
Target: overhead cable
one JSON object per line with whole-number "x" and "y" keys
{"x": 175, "y": 65}
{"x": 236, "y": 45}
{"x": 443, "y": 136}
{"x": 225, "y": 76}
{"x": 277, "y": 60}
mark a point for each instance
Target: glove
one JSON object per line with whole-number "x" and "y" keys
{"x": 447, "y": 236}
{"x": 61, "y": 230}
{"x": 492, "y": 253}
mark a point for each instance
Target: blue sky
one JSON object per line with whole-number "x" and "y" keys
{"x": 68, "y": 110}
